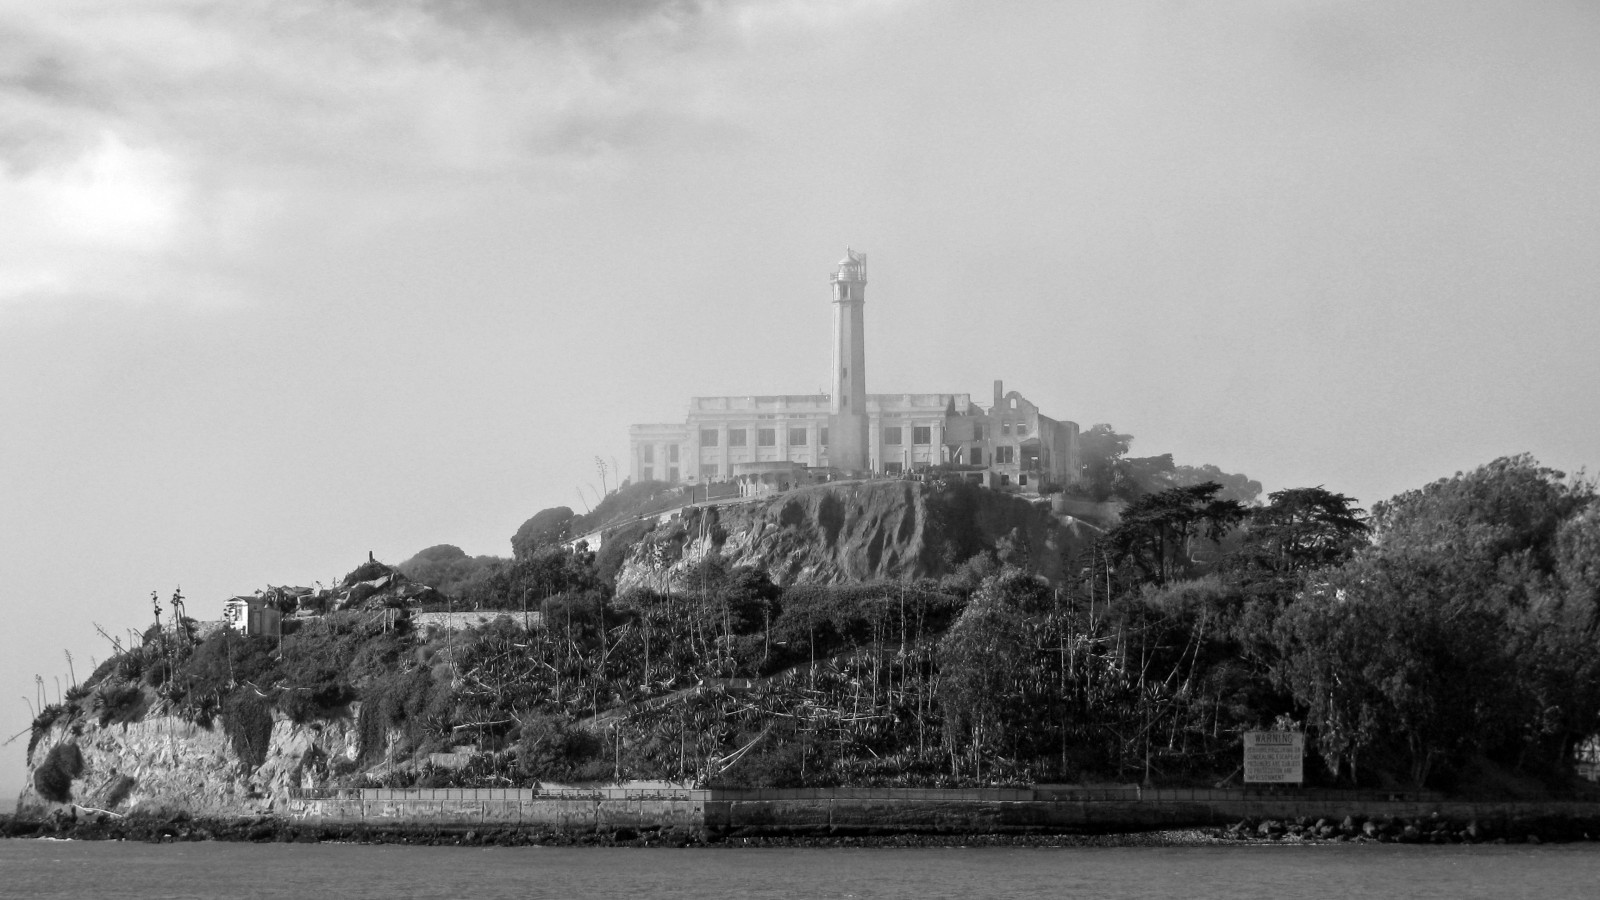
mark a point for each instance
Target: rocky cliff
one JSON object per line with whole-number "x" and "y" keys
{"x": 855, "y": 531}
{"x": 165, "y": 764}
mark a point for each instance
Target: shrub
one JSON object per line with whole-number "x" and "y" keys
{"x": 367, "y": 571}
{"x": 618, "y": 544}
{"x": 406, "y": 701}
{"x": 119, "y": 790}
{"x": 53, "y": 777}
{"x": 42, "y": 723}
{"x": 547, "y": 527}
{"x": 226, "y": 659}
{"x": 247, "y": 720}
{"x": 119, "y": 702}
{"x": 550, "y": 749}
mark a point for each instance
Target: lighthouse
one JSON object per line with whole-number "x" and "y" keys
{"x": 847, "y": 444}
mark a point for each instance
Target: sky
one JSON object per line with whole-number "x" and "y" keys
{"x": 286, "y": 282}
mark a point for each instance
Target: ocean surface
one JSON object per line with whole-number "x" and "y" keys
{"x": 37, "y": 869}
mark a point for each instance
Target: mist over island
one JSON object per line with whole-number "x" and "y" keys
{"x": 410, "y": 402}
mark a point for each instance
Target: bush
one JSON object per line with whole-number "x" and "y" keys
{"x": 42, "y": 723}
{"x": 551, "y": 749}
{"x": 450, "y": 571}
{"x": 247, "y": 720}
{"x": 53, "y": 777}
{"x": 119, "y": 790}
{"x": 367, "y": 571}
{"x": 403, "y": 701}
{"x": 116, "y": 703}
{"x": 618, "y": 544}
{"x": 546, "y": 528}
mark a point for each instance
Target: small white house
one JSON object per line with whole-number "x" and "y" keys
{"x": 252, "y": 615}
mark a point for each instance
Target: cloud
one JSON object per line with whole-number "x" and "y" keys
{"x": 147, "y": 137}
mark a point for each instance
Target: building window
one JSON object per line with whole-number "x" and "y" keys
{"x": 824, "y": 435}
{"x": 1005, "y": 456}
{"x": 647, "y": 453}
{"x": 1022, "y": 480}
{"x": 977, "y": 431}
{"x": 1022, "y": 430}
{"x": 1005, "y": 480}
{"x": 709, "y": 470}
{"x": 735, "y": 437}
{"x": 766, "y": 437}
{"x": 672, "y": 475}
{"x": 977, "y": 456}
{"x": 893, "y": 468}
{"x": 708, "y": 437}
{"x": 797, "y": 437}
{"x": 647, "y": 474}
{"x": 921, "y": 434}
{"x": 1005, "y": 427}
{"x": 891, "y": 434}
{"x": 672, "y": 454}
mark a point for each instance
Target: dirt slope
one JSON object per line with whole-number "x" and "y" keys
{"x": 856, "y": 531}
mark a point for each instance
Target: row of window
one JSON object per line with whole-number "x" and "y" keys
{"x": 893, "y": 435}
{"x": 1003, "y": 456}
{"x": 920, "y": 434}
{"x": 765, "y": 437}
{"x": 923, "y": 434}
{"x": 646, "y": 473}
{"x": 647, "y": 453}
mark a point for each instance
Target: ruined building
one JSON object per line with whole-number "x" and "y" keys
{"x": 798, "y": 438}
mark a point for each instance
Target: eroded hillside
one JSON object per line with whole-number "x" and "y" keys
{"x": 853, "y": 532}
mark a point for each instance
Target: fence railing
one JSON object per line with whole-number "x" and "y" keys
{"x": 434, "y": 795}
{"x": 1040, "y": 793}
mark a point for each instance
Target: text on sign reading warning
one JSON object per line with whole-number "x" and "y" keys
{"x": 1274, "y": 757}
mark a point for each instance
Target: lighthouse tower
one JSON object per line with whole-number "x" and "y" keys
{"x": 847, "y": 437}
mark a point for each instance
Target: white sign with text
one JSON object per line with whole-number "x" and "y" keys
{"x": 1275, "y": 757}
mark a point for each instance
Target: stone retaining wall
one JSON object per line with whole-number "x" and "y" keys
{"x": 772, "y": 817}
{"x": 701, "y": 811}
{"x": 562, "y": 814}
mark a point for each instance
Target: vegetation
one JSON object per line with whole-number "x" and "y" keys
{"x": 52, "y": 778}
{"x": 1454, "y": 630}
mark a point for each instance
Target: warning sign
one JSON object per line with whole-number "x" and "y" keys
{"x": 1275, "y": 757}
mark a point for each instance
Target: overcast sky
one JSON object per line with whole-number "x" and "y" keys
{"x": 285, "y": 282}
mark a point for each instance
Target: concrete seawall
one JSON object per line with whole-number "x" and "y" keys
{"x": 570, "y": 815}
{"x": 848, "y": 811}
{"x": 848, "y": 816}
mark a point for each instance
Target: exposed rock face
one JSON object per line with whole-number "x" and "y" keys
{"x": 857, "y": 531}
{"x": 167, "y": 764}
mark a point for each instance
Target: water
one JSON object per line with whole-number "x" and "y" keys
{"x": 135, "y": 871}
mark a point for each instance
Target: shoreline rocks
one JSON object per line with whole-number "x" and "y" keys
{"x": 1432, "y": 829}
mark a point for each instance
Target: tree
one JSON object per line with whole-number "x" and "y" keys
{"x": 1510, "y": 505}
{"x": 547, "y": 527}
{"x": 1398, "y": 666}
{"x": 1100, "y": 448}
{"x": 978, "y": 661}
{"x": 1577, "y": 559}
{"x": 1156, "y": 531}
{"x": 1301, "y": 529}
{"x": 1238, "y": 487}
{"x": 1463, "y": 629}
{"x": 450, "y": 570}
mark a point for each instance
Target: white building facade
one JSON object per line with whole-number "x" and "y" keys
{"x": 1009, "y": 444}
